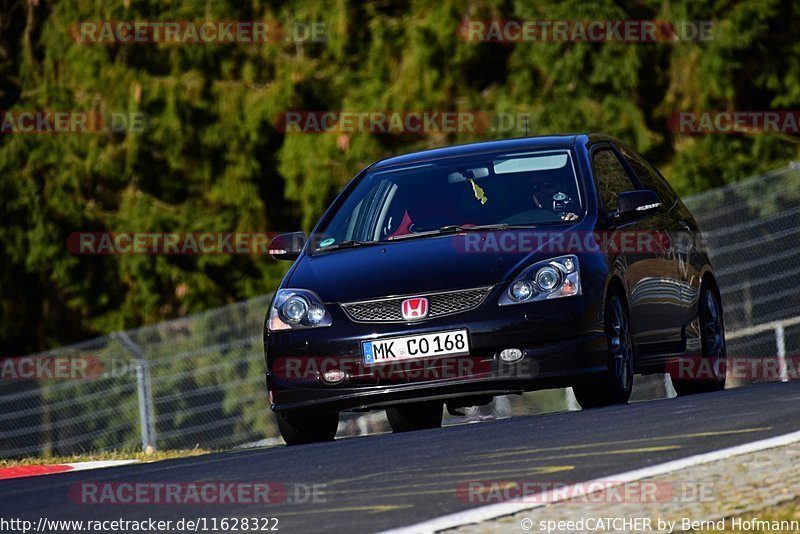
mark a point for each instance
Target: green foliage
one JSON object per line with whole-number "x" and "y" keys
{"x": 211, "y": 158}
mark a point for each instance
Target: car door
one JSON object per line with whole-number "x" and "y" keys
{"x": 680, "y": 226}
{"x": 647, "y": 266}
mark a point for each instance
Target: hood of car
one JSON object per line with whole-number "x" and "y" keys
{"x": 421, "y": 265}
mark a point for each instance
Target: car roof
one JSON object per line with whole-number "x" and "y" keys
{"x": 517, "y": 143}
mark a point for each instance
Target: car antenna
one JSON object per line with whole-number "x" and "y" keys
{"x": 525, "y": 120}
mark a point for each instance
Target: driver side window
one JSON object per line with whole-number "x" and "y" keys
{"x": 611, "y": 178}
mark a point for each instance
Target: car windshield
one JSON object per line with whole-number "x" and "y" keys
{"x": 526, "y": 188}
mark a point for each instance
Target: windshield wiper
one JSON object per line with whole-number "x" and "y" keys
{"x": 481, "y": 227}
{"x": 350, "y": 243}
{"x": 413, "y": 234}
{"x": 455, "y": 228}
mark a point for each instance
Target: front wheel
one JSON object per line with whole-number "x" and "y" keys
{"x": 297, "y": 430}
{"x": 712, "y": 337}
{"x": 415, "y": 416}
{"x": 613, "y": 386}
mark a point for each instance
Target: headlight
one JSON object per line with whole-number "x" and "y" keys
{"x": 521, "y": 290}
{"x": 315, "y": 315}
{"x": 547, "y": 278}
{"x": 294, "y": 309}
{"x": 550, "y": 279}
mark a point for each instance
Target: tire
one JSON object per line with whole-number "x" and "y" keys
{"x": 416, "y": 416}
{"x": 615, "y": 385}
{"x": 712, "y": 337}
{"x": 298, "y": 430}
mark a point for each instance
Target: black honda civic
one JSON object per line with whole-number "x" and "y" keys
{"x": 446, "y": 277}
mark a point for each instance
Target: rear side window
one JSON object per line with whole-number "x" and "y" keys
{"x": 649, "y": 176}
{"x": 612, "y": 180}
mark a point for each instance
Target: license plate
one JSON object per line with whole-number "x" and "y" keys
{"x": 450, "y": 343}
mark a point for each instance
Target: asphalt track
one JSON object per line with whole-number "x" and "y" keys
{"x": 387, "y": 481}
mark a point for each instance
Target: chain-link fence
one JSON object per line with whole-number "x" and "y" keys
{"x": 753, "y": 231}
{"x": 196, "y": 381}
{"x": 199, "y": 380}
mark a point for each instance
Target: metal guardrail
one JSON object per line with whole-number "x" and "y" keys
{"x": 199, "y": 380}
{"x": 779, "y": 328}
{"x": 753, "y": 231}
{"x": 193, "y": 381}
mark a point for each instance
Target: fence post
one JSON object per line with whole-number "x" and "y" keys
{"x": 144, "y": 392}
{"x": 781, "y": 342}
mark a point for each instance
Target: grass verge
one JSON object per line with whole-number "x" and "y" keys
{"x": 98, "y": 456}
{"x": 773, "y": 520}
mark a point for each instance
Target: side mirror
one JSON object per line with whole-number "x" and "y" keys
{"x": 634, "y": 203}
{"x": 287, "y": 246}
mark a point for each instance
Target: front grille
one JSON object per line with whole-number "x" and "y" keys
{"x": 439, "y": 305}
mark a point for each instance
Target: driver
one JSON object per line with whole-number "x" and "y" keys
{"x": 548, "y": 196}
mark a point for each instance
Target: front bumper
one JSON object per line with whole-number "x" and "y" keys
{"x": 562, "y": 342}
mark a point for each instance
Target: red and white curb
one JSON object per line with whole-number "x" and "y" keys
{"x": 36, "y": 470}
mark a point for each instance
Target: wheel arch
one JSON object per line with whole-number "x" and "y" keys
{"x": 710, "y": 279}
{"x": 708, "y": 276}
{"x": 615, "y": 282}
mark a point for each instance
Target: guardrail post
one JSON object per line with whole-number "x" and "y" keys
{"x": 144, "y": 393}
{"x": 781, "y": 342}
{"x": 502, "y": 406}
{"x": 572, "y": 402}
{"x": 669, "y": 389}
